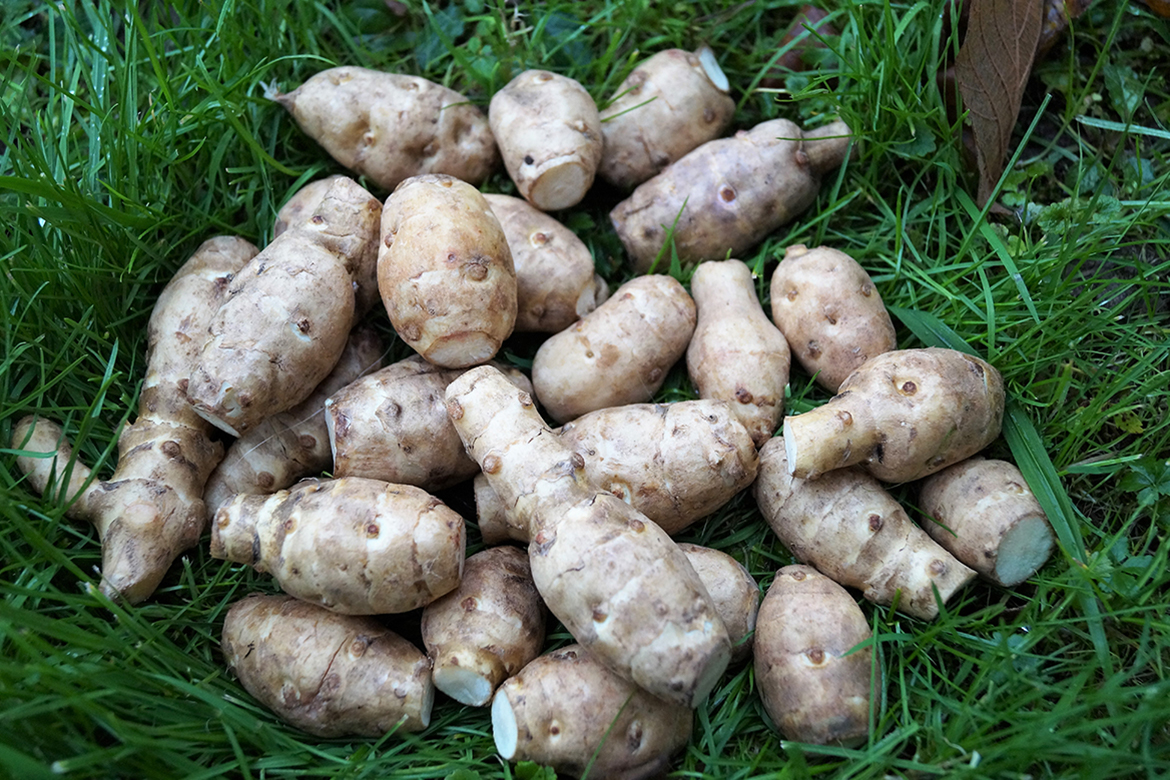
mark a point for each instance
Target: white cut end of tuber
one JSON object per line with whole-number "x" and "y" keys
{"x": 504, "y": 729}
{"x": 465, "y": 686}
{"x": 561, "y": 185}
{"x": 712, "y": 69}
{"x": 789, "y": 446}
{"x": 428, "y": 703}
{"x": 1023, "y": 550}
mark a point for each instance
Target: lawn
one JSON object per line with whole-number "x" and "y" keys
{"x": 133, "y": 133}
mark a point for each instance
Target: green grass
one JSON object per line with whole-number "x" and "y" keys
{"x": 129, "y": 136}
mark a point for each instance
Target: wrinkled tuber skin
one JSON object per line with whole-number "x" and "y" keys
{"x": 392, "y": 425}
{"x": 617, "y": 354}
{"x": 555, "y": 281}
{"x": 614, "y": 579}
{"x": 151, "y": 509}
{"x": 354, "y": 546}
{"x": 445, "y": 271}
{"x": 675, "y": 463}
{"x": 852, "y": 530}
{"x": 813, "y": 688}
{"x": 901, "y": 416}
{"x": 391, "y": 126}
{"x": 733, "y": 590}
{"x": 285, "y": 319}
{"x": 549, "y": 132}
{"x": 487, "y": 629}
{"x": 568, "y": 711}
{"x": 828, "y": 308}
{"x": 327, "y": 674}
{"x": 736, "y": 354}
{"x": 984, "y": 514}
{"x": 729, "y": 193}
{"x": 294, "y": 444}
{"x": 302, "y": 206}
{"x": 668, "y": 105}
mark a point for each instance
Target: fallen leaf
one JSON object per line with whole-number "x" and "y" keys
{"x": 1057, "y": 15}
{"x": 1160, "y": 7}
{"x": 992, "y": 68}
{"x": 809, "y": 19}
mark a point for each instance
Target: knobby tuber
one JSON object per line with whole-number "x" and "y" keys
{"x": 668, "y": 105}
{"x": 725, "y": 196}
{"x": 615, "y": 579}
{"x": 391, "y": 126}
{"x": 983, "y": 513}
{"x": 487, "y": 629}
{"x": 354, "y": 546}
{"x": 736, "y": 354}
{"x": 568, "y": 711}
{"x": 151, "y": 509}
{"x": 814, "y": 681}
{"x": 827, "y": 307}
{"x": 852, "y": 530}
{"x": 445, "y": 271}
{"x": 901, "y": 416}
{"x": 327, "y": 674}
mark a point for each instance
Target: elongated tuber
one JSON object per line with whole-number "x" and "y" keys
{"x": 487, "y": 629}
{"x": 568, "y": 711}
{"x": 901, "y": 416}
{"x": 668, "y": 105}
{"x": 736, "y": 354}
{"x": 151, "y": 509}
{"x": 445, "y": 271}
{"x": 815, "y": 683}
{"x": 983, "y": 513}
{"x": 327, "y": 674}
{"x": 286, "y": 315}
{"x": 827, "y": 307}
{"x": 726, "y": 195}
{"x": 391, "y": 126}
{"x": 614, "y": 579}
{"x": 852, "y": 530}
{"x": 733, "y": 590}
{"x": 293, "y": 444}
{"x": 354, "y": 546}
{"x": 617, "y": 354}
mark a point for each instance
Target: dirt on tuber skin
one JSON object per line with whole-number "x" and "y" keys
{"x": 852, "y": 530}
{"x": 549, "y": 132}
{"x": 327, "y": 674}
{"x": 984, "y": 514}
{"x": 830, "y": 311}
{"x": 445, "y": 271}
{"x": 675, "y": 463}
{"x": 901, "y": 416}
{"x": 617, "y": 354}
{"x": 487, "y": 629}
{"x": 391, "y": 126}
{"x": 293, "y": 444}
{"x": 392, "y": 425}
{"x": 568, "y": 711}
{"x": 736, "y": 354}
{"x": 615, "y": 579}
{"x": 294, "y": 300}
{"x": 151, "y": 509}
{"x": 668, "y": 105}
{"x": 728, "y": 194}
{"x": 353, "y": 546}
{"x": 814, "y": 682}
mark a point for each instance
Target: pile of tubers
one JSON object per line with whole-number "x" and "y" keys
{"x": 269, "y": 347}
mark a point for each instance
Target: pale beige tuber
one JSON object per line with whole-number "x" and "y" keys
{"x": 852, "y": 530}
{"x": 733, "y": 590}
{"x": 151, "y": 509}
{"x": 354, "y": 546}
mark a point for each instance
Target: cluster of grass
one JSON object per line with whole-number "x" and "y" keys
{"x": 131, "y": 132}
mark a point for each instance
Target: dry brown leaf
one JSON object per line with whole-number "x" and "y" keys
{"x": 992, "y": 68}
{"x": 1160, "y": 7}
